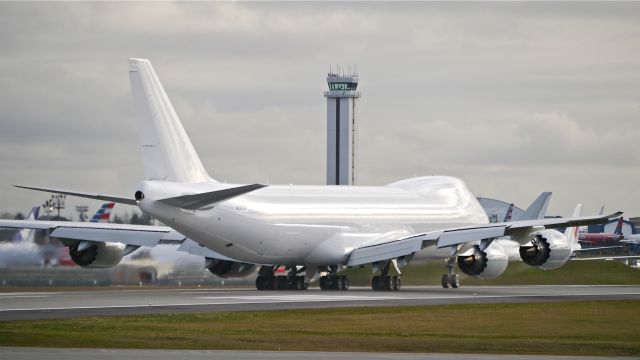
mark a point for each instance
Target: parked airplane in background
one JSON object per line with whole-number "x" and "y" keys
{"x": 23, "y": 251}
{"x": 314, "y": 231}
{"x": 509, "y": 213}
{"x": 599, "y": 239}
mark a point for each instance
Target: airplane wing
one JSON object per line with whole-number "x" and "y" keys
{"x": 135, "y": 235}
{"x": 407, "y": 246}
{"x": 621, "y": 257}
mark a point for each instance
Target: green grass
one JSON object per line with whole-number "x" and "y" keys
{"x": 608, "y": 328}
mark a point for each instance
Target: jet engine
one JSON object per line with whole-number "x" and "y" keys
{"x": 226, "y": 268}
{"x": 97, "y": 255}
{"x": 483, "y": 264}
{"x": 547, "y": 249}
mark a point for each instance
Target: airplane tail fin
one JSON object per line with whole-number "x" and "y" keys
{"x": 571, "y": 233}
{"x": 27, "y": 235}
{"x": 167, "y": 152}
{"x": 509, "y": 214}
{"x": 619, "y": 226}
{"x": 103, "y": 214}
{"x": 538, "y": 208}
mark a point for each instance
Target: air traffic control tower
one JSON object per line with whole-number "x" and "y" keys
{"x": 341, "y": 127}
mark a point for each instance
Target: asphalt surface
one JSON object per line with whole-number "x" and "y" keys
{"x": 104, "y": 354}
{"x": 60, "y": 305}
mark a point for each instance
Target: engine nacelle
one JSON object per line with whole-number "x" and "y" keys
{"x": 98, "y": 255}
{"x": 487, "y": 264}
{"x": 547, "y": 249}
{"x": 226, "y": 268}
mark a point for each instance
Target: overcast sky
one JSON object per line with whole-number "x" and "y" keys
{"x": 513, "y": 98}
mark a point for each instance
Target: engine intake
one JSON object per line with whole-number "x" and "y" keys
{"x": 226, "y": 268}
{"x": 487, "y": 264}
{"x": 547, "y": 249}
{"x": 98, "y": 255}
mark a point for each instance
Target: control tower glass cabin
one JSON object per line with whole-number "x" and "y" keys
{"x": 341, "y": 129}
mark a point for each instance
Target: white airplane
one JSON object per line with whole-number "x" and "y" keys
{"x": 312, "y": 230}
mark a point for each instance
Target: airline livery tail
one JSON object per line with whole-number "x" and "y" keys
{"x": 572, "y": 232}
{"x": 167, "y": 152}
{"x": 27, "y": 234}
{"x": 618, "y": 230}
{"x": 507, "y": 217}
{"x": 103, "y": 214}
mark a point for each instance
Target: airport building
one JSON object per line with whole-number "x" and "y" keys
{"x": 341, "y": 126}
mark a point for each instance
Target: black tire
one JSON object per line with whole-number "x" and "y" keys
{"x": 375, "y": 283}
{"x": 395, "y": 283}
{"x": 455, "y": 281}
{"x": 445, "y": 281}
{"x": 335, "y": 282}
{"x": 344, "y": 283}
{"x": 387, "y": 283}
{"x": 282, "y": 283}
{"x": 260, "y": 283}
{"x": 323, "y": 283}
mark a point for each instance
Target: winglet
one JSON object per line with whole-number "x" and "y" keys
{"x": 197, "y": 201}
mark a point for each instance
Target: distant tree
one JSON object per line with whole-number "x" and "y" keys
{"x": 135, "y": 219}
{"x": 117, "y": 219}
{"x": 19, "y": 216}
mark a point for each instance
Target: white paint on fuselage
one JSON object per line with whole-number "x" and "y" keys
{"x": 317, "y": 225}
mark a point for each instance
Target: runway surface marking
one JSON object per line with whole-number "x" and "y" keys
{"x": 299, "y": 298}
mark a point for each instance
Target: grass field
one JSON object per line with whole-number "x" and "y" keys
{"x": 580, "y": 328}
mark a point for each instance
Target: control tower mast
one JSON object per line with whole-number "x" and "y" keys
{"x": 341, "y": 126}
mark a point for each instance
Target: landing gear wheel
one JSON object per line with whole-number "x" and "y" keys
{"x": 395, "y": 283}
{"x": 455, "y": 281}
{"x": 323, "y": 283}
{"x": 376, "y": 283}
{"x": 344, "y": 283}
{"x": 260, "y": 283}
{"x": 282, "y": 283}
{"x": 445, "y": 281}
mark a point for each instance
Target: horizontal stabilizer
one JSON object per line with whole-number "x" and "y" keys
{"x": 538, "y": 208}
{"x": 117, "y": 199}
{"x": 197, "y": 201}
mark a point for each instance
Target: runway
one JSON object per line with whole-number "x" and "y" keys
{"x": 59, "y": 305}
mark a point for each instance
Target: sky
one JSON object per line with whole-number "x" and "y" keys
{"x": 513, "y": 98}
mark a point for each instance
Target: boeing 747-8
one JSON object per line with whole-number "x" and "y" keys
{"x": 314, "y": 231}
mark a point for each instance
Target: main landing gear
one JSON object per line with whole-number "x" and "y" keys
{"x": 333, "y": 281}
{"x": 266, "y": 279}
{"x": 450, "y": 279}
{"x": 386, "y": 282}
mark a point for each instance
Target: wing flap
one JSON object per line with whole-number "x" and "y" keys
{"x": 385, "y": 251}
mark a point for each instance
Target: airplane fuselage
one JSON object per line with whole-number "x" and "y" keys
{"x": 314, "y": 224}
